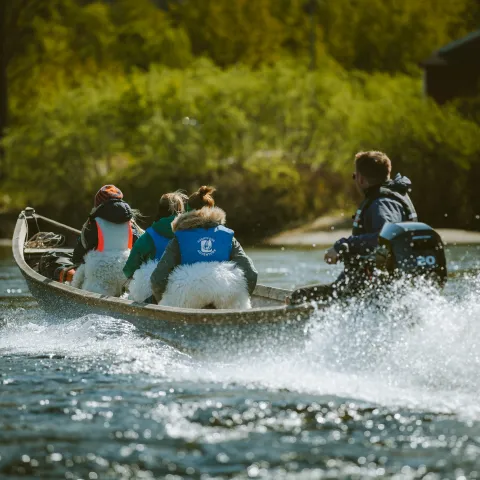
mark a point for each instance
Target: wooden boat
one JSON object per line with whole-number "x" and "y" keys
{"x": 177, "y": 326}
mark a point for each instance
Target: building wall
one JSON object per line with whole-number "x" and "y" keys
{"x": 445, "y": 82}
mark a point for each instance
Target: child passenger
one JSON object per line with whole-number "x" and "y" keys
{"x": 104, "y": 245}
{"x": 204, "y": 266}
{"x": 149, "y": 248}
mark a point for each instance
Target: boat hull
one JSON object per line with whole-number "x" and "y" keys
{"x": 189, "y": 329}
{"x": 202, "y": 334}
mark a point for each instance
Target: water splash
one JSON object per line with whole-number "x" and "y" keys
{"x": 414, "y": 348}
{"x": 92, "y": 339}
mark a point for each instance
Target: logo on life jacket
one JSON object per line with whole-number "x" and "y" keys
{"x": 206, "y": 246}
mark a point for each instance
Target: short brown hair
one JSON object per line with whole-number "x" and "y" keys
{"x": 374, "y": 166}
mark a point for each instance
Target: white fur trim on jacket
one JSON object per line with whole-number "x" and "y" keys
{"x": 102, "y": 272}
{"x": 202, "y": 218}
{"x": 140, "y": 287}
{"x": 220, "y": 284}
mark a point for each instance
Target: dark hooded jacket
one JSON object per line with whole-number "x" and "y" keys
{"x": 115, "y": 211}
{"x": 386, "y": 203}
{"x": 203, "y": 218}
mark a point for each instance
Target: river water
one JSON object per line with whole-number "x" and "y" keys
{"x": 375, "y": 391}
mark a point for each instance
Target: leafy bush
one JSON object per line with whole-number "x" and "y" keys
{"x": 436, "y": 147}
{"x": 278, "y": 142}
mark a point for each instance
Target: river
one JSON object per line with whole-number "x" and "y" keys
{"x": 389, "y": 391}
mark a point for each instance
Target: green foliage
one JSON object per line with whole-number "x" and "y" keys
{"x": 232, "y": 31}
{"x": 53, "y": 44}
{"x": 145, "y": 35}
{"x": 277, "y": 142}
{"x": 221, "y": 91}
{"x": 52, "y": 39}
{"x": 262, "y": 194}
{"x": 63, "y": 147}
{"x": 391, "y": 35}
{"x": 469, "y": 107}
{"x": 372, "y": 35}
{"x": 436, "y": 147}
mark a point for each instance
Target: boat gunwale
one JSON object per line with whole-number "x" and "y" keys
{"x": 268, "y": 314}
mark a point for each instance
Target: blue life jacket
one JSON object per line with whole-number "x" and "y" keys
{"x": 160, "y": 242}
{"x": 205, "y": 244}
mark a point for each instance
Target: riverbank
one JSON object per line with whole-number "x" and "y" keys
{"x": 302, "y": 238}
{"x": 325, "y": 231}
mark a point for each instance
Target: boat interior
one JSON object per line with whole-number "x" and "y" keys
{"x": 45, "y": 236}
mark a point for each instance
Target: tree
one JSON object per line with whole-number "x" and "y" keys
{"x": 36, "y": 33}
{"x": 387, "y": 35}
{"x": 231, "y": 31}
{"x": 302, "y": 32}
{"x": 145, "y": 35}
{"x": 11, "y": 42}
{"x": 3, "y": 77}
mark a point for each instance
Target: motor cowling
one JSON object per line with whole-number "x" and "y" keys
{"x": 411, "y": 248}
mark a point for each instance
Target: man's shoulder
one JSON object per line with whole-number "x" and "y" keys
{"x": 388, "y": 208}
{"x": 385, "y": 200}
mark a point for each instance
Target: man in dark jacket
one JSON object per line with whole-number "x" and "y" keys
{"x": 386, "y": 201}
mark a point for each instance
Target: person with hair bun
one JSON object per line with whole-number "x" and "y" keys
{"x": 149, "y": 248}
{"x": 204, "y": 266}
{"x": 203, "y": 197}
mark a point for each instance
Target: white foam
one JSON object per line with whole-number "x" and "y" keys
{"x": 417, "y": 349}
{"x": 115, "y": 343}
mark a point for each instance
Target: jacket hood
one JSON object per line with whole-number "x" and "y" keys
{"x": 205, "y": 217}
{"x": 399, "y": 184}
{"x": 163, "y": 226}
{"x": 114, "y": 211}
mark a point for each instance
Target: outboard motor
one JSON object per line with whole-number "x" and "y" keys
{"x": 411, "y": 248}
{"x": 408, "y": 248}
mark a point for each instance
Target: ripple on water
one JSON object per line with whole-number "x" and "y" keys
{"x": 387, "y": 389}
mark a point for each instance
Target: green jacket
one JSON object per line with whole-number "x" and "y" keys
{"x": 144, "y": 248}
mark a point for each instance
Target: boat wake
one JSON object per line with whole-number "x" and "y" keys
{"x": 416, "y": 350}
{"x": 89, "y": 340}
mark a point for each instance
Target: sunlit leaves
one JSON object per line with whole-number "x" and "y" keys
{"x": 278, "y": 142}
